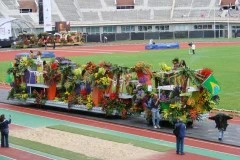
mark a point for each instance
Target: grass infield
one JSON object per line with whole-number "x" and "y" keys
{"x": 223, "y": 60}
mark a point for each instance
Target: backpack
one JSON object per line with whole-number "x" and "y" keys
{"x": 176, "y": 130}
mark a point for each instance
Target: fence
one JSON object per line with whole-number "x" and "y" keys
{"x": 155, "y": 35}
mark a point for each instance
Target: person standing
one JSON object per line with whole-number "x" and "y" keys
{"x": 54, "y": 43}
{"x": 175, "y": 63}
{"x": 193, "y": 47}
{"x": 180, "y": 129}
{"x": 31, "y": 54}
{"x": 4, "y": 130}
{"x": 221, "y": 123}
{"x": 105, "y": 39}
{"x": 155, "y": 111}
{"x": 45, "y": 44}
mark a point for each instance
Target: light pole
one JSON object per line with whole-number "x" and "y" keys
{"x": 228, "y": 27}
{"x": 228, "y": 22}
{"x": 214, "y": 23}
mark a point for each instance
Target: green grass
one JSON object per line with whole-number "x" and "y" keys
{"x": 138, "y": 143}
{"x": 48, "y": 149}
{"x": 224, "y": 61}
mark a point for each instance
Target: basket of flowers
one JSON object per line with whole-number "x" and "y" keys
{"x": 101, "y": 82}
{"x": 143, "y": 71}
{"x": 51, "y": 77}
{"x": 112, "y": 103}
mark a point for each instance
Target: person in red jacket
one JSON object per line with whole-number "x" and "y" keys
{"x": 4, "y": 130}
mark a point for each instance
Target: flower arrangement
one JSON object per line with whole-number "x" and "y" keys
{"x": 101, "y": 79}
{"x": 106, "y": 65}
{"x": 205, "y": 72}
{"x": 19, "y": 92}
{"x": 90, "y": 67}
{"x": 77, "y": 74}
{"x": 142, "y": 67}
{"x": 20, "y": 65}
{"x": 164, "y": 67}
{"x": 139, "y": 99}
{"x": 51, "y": 74}
{"x": 89, "y": 102}
{"x": 111, "y": 103}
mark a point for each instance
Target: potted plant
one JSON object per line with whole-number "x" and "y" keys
{"x": 51, "y": 77}
{"x": 111, "y": 103}
{"x": 143, "y": 71}
{"x": 101, "y": 82}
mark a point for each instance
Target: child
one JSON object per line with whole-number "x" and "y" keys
{"x": 221, "y": 123}
{"x": 4, "y": 130}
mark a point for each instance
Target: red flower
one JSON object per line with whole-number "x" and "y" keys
{"x": 112, "y": 96}
{"x": 54, "y": 65}
{"x": 83, "y": 92}
{"x": 206, "y": 72}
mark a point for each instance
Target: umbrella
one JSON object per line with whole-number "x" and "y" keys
{"x": 221, "y": 120}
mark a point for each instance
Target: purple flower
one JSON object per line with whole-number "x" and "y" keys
{"x": 142, "y": 79}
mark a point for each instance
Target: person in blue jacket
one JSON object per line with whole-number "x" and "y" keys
{"x": 4, "y": 130}
{"x": 181, "y": 128}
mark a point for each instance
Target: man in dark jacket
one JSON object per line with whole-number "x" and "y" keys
{"x": 4, "y": 130}
{"x": 221, "y": 123}
{"x": 181, "y": 128}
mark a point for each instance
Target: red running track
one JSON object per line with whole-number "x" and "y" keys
{"x": 20, "y": 155}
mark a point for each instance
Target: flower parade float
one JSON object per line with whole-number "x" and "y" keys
{"x": 61, "y": 83}
{"x": 31, "y": 40}
{"x": 111, "y": 89}
{"x": 186, "y": 93}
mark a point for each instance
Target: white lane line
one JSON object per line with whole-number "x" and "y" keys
{"x": 127, "y": 127}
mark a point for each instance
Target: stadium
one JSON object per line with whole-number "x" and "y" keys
{"x": 113, "y": 79}
{"x": 130, "y": 19}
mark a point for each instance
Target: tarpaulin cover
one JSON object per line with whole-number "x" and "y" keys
{"x": 162, "y": 46}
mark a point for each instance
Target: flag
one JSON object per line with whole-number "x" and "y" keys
{"x": 211, "y": 85}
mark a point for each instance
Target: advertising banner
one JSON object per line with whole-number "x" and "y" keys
{"x": 6, "y": 31}
{"x": 47, "y": 15}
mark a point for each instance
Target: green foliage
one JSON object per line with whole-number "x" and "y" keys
{"x": 20, "y": 65}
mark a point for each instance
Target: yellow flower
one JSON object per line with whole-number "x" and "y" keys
{"x": 101, "y": 71}
{"x": 67, "y": 93}
{"x": 183, "y": 117}
{"x": 165, "y": 113}
{"x": 77, "y": 71}
{"x": 89, "y": 102}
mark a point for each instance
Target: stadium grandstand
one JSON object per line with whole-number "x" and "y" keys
{"x": 132, "y": 19}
